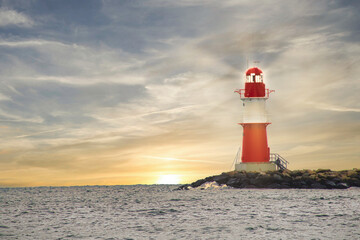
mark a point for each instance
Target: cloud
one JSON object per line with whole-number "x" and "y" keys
{"x": 10, "y": 17}
{"x": 328, "y": 107}
{"x": 68, "y": 63}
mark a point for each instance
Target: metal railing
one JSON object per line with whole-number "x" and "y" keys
{"x": 280, "y": 162}
{"x": 241, "y": 92}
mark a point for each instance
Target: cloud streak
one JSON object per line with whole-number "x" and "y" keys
{"x": 9, "y": 17}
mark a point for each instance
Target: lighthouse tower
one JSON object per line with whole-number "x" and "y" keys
{"x": 255, "y": 149}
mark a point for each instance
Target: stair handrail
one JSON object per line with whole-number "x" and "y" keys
{"x": 279, "y": 161}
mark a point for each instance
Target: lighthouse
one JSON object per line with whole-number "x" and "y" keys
{"x": 255, "y": 150}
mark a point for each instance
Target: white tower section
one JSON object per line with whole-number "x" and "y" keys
{"x": 254, "y": 110}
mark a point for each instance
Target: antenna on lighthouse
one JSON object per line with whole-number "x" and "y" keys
{"x": 256, "y": 62}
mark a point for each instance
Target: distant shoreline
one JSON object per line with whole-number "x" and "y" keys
{"x": 300, "y": 179}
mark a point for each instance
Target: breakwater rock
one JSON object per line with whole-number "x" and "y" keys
{"x": 311, "y": 179}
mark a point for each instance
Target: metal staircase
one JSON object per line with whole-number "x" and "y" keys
{"x": 280, "y": 162}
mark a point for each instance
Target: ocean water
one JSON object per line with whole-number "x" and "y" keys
{"x": 158, "y": 212}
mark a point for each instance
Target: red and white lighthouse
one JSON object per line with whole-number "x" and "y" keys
{"x": 255, "y": 149}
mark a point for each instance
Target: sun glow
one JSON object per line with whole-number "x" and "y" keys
{"x": 168, "y": 179}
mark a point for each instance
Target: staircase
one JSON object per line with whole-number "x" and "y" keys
{"x": 280, "y": 162}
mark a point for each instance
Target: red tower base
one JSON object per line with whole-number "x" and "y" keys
{"x": 255, "y": 146}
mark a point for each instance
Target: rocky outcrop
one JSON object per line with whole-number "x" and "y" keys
{"x": 311, "y": 179}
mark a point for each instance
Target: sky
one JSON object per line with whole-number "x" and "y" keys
{"x": 132, "y": 92}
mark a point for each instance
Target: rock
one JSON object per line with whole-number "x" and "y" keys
{"x": 330, "y": 184}
{"x": 221, "y": 179}
{"x": 299, "y": 184}
{"x": 351, "y": 173}
{"x": 310, "y": 171}
{"x": 252, "y": 174}
{"x": 342, "y": 186}
{"x": 285, "y": 185}
{"x": 330, "y": 176}
{"x": 198, "y": 183}
{"x": 183, "y": 187}
{"x": 322, "y": 175}
{"x": 263, "y": 180}
{"x": 317, "y": 186}
{"x": 233, "y": 182}
{"x": 274, "y": 185}
{"x": 240, "y": 175}
{"x": 354, "y": 182}
{"x": 277, "y": 178}
{"x": 250, "y": 186}
{"x": 298, "y": 178}
{"x": 252, "y": 181}
{"x": 210, "y": 179}
{"x": 322, "y": 170}
{"x": 286, "y": 171}
{"x": 344, "y": 178}
{"x": 287, "y": 178}
{"x": 244, "y": 185}
{"x": 296, "y": 173}
{"x": 336, "y": 180}
{"x": 231, "y": 174}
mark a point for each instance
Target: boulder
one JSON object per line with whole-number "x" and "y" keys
{"x": 296, "y": 173}
{"x": 299, "y": 184}
{"x": 198, "y": 183}
{"x": 184, "y": 187}
{"x": 330, "y": 184}
{"x": 240, "y": 175}
{"x": 210, "y": 179}
{"x": 252, "y": 174}
{"x": 317, "y": 185}
{"x": 221, "y": 179}
{"x": 354, "y": 182}
{"x": 285, "y": 185}
{"x": 342, "y": 186}
{"x": 351, "y": 173}
{"x": 277, "y": 178}
{"x": 274, "y": 185}
{"x": 263, "y": 180}
{"x": 233, "y": 182}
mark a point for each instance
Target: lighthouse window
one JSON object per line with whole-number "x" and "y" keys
{"x": 248, "y": 78}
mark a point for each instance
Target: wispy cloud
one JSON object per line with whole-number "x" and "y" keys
{"x": 9, "y": 17}
{"x": 182, "y": 160}
{"x": 329, "y": 107}
{"x": 37, "y": 133}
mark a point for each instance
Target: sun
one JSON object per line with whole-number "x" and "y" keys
{"x": 168, "y": 179}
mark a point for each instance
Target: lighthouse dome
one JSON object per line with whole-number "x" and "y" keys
{"x": 253, "y": 71}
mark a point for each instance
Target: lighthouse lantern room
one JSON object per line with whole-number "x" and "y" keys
{"x": 255, "y": 150}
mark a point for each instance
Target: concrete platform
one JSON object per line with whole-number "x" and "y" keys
{"x": 255, "y": 167}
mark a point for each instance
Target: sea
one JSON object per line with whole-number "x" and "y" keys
{"x": 160, "y": 212}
